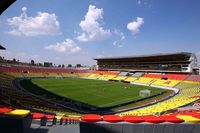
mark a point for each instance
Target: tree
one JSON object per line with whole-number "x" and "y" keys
{"x": 59, "y": 65}
{"x": 40, "y": 64}
{"x": 69, "y": 65}
{"x": 63, "y": 65}
{"x": 32, "y": 62}
{"x": 14, "y": 60}
{"x": 78, "y": 65}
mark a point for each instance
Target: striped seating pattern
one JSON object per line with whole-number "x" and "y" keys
{"x": 185, "y": 96}
{"x": 189, "y": 92}
{"x": 153, "y": 119}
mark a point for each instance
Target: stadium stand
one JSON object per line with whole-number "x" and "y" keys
{"x": 47, "y": 109}
{"x": 187, "y": 94}
{"x": 170, "y": 62}
{"x": 149, "y": 79}
{"x": 145, "y": 80}
{"x": 172, "y": 123}
{"x": 102, "y": 75}
{"x": 166, "y": 76}
{"x": 20, "y": 98}
{"x": 119, "y": 78}
{"x": 138, "y": 74}
{"x": 195, "y": 78}
{"x": 167, "y": 83}
{"x": 154, "y": 75}
{"x": 130, "y": 79}
{"x": 18, "y": 120}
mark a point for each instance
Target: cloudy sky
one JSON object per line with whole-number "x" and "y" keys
{"x": 76, "y": 31}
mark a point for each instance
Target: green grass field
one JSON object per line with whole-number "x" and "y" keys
{"x": 94, "y": 92}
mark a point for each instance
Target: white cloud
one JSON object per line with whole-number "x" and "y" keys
{"x": 135, "y": 25}
{"x": 120, "y": 34}
{"x": 67, "y": 46}
{"x": 99, "y": 56}
{"x": 92, "y": 27}
{"x": 42, "y": 24}
{"x": 118, "y": 44}
{"x": 119, "y": 38}
{"x": 24, "y": 9}
{"x": 139, "y": 2}
{"x": 115, "y": 43}
{"x": 145, "y": 3}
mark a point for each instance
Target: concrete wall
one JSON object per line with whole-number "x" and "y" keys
{"x": 86, "y": 127}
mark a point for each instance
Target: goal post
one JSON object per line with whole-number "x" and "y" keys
{"x": 145, "y": 93}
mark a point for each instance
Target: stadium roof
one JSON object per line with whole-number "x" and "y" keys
{"x": 2, "y": 48}
{"x": 143, "y": 56}
{"x": 4, "y": 4}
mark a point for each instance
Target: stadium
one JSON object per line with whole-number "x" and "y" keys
{"x": 155, "y": 93}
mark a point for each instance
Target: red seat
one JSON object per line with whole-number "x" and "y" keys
{"x": 91, "y": 118}
{"x": 37, "y": 115}
{"x": 5, "y": 110}
{"x": 50, "y": 117}
{"x": 172, "y": 118}
{"x": 196, "y": 115}
{"x": 153, "y": 119}
{"x": 112, "y": 118}
{"x": 133, "y": 119}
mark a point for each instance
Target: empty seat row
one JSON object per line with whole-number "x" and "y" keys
{"x": 166, "y": 76}
{"x": 172, "y": 118}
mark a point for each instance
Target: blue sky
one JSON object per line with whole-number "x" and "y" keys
{"x": 76, "y": 31}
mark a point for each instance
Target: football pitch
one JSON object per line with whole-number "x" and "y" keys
{"x": 94, "y": 92}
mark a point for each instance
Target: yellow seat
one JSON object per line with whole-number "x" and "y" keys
{"x": 58, "y": 117}
{"x": 74, "y": 116}
{"x": 187, "y": 94}
{"x": 167, "y": 83}
{"x": 130, "y": 79}
{"x": 188, "y": 118}
{"x": 19, "y": 112}
{"x": 145, "y": 80}
{"x": 119, "y": 78}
